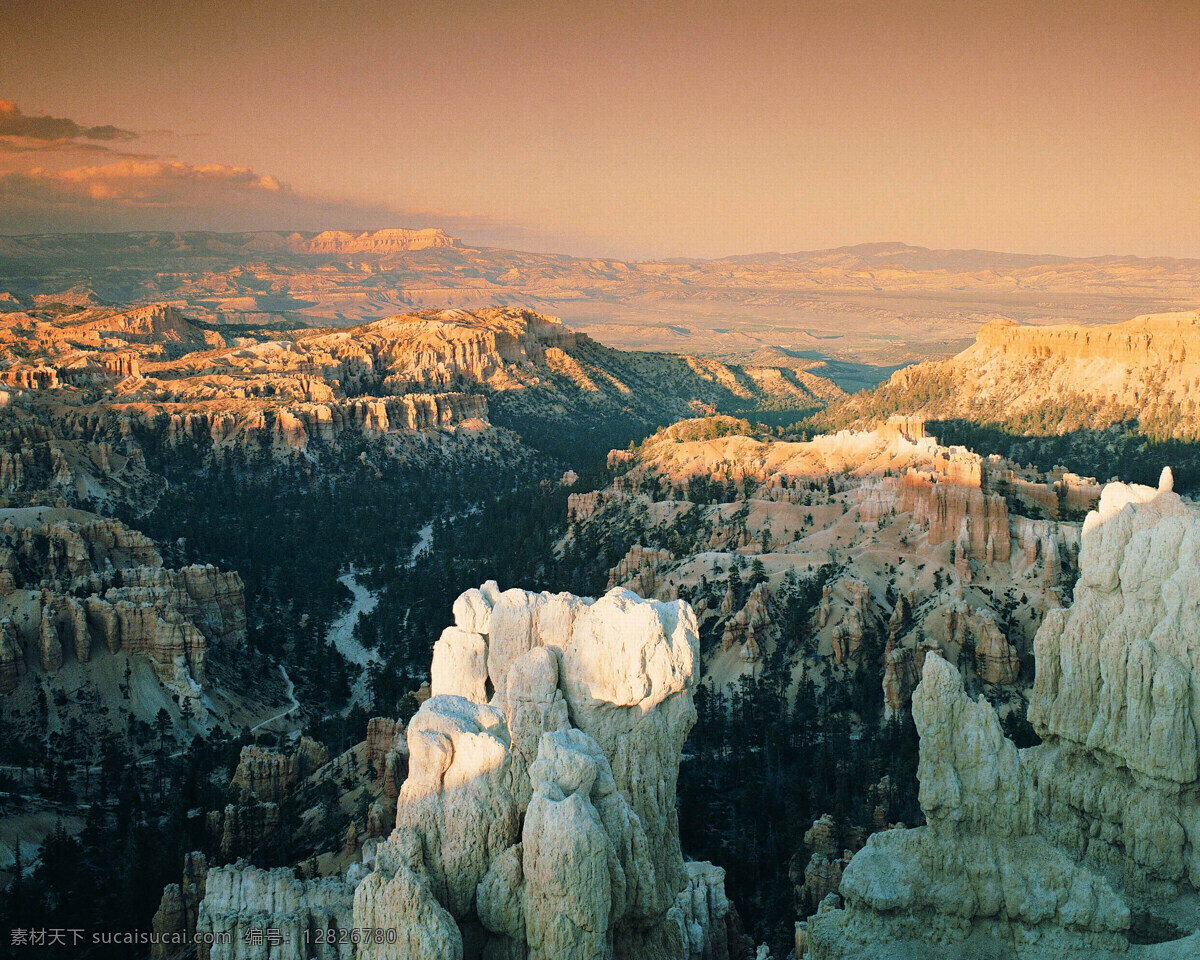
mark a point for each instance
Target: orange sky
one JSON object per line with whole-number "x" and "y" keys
{"x": 634, "y": 129}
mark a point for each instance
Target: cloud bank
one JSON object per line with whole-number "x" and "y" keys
{"x": 58, "y": 175}
{"x": 61, "y": 176}
{"x": 154, "y": 194}
{"x": 13, "y": 123}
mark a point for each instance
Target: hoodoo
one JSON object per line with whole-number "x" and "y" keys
{"x": 1083, "y": 844}
{"x": 538, "y": 818}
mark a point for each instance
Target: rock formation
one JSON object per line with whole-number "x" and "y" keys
{"x": 553, "y": 833}
{"x": 639, "y": 569}
{"x": 583, "y": 506}
{"x": 101, "y": 586}
{"x": 746, "y": 626}
{"x": 818, "y": 876}
{"x": 289, "y": 430}
{"x": 96, "y": 394}
{"x": 386, "y": 754}
{"x": 996, "y": 659}
{"x": 178, "y": 910}
{"x": 709, "y": 919}
{"x": 537, "y": 819}
{"x": 956, "y": 509}
{"x": 1082, "y": 844}
{"x": 243, "y": 829}
{"x": 270, "y": 775}
{"x": 1144, "y": 366}
{"x": 859, "y": 617}
{"x": 241, "y": 898}
{"x": 391, "y": 240}
{"x": 900, "y": 676}
{"x": 12, "y": 660}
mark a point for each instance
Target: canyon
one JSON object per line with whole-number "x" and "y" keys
{"x": 75, "y": 584}
{"x": 489, "y": 483}
{"x": 98, "y": 392}
{"x": 926, "y": 553}
{"x": 818, "y": 617}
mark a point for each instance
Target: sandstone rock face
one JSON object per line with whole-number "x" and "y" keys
{"x": 243, "y": 829}
{"x": 687, "y": 450}
{"x": 709, "y": 920}
{"x": 745, "y": 626}
{"x": 541, "y": 824}
{"x": 639, "y": 569}
{"x": 387, "y": 754}
{"x": 288, "y": 430}
{"x": 1085, "y": 841}
{"x": 996, "y": 659}
{"x": 817, "y": 866}
{"x": 822, "y": 877}
{"x": 858, "y": 617}
{"x": 1144, "y": 364}
{"x": 270, "y": 775}
{"x": 900, "y": 676}
{"x": 240, "y": 898}
{"x": 583, "y": 506}
{"x": 49, "y": 646}
{"x": 92, "y": 412}
{"x": 460, "y": 665}
{"x": 957, "y": 509}
{"x": 264, "y": 774}
{"x": 179, "y": 908}
{"x": 1169, "y": 338}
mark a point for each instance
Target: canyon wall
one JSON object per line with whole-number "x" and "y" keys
{"x": 1156, "y": 339}
{"x": 72, "y": 583}
{"x": 287, "y": 429}
{"x": 1146, "y": 368}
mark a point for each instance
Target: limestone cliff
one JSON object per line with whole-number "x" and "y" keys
{"x": 390, "y": 240}
{"x": 1083, "y": 844}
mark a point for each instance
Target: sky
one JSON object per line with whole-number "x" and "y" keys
{"x": 648, "y": 129}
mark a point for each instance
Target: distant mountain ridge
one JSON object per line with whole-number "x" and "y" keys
{"x": 388, "y": 240}
{"x": 896, "y": 254}
{"x": 876, "y": 304}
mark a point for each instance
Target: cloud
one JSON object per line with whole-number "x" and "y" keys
{"x": 143, "y": 193}
{"x": 58, "y": 176}
{"x": 142, "y": 182}
{"x": 147, "y": 193}
{"x": 13, "y": 123}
